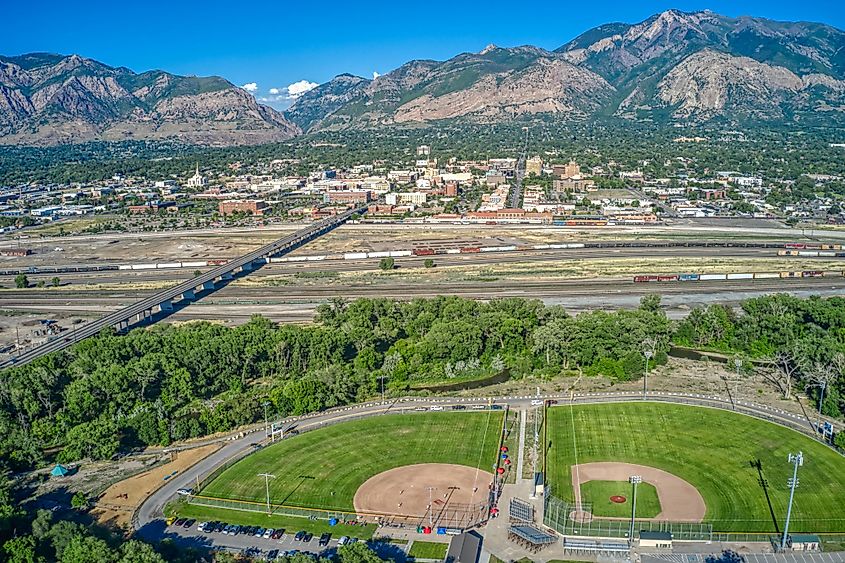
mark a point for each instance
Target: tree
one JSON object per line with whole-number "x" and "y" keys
{"x": 20, "y": 549}
{"x": 357, "y": 552}
{"x": 21, "y": 281}
{"x": 727, "y": 556}
{"x": 650, "y": 302}
{"x": 428, "y": 263}
{"x": 79, "y": 500}
{"x": 87, "y": 549}
{"x": 197, "y": 273}
{"x": 839, "y": 440}
{"x": 386, "y": 264}
{"x": 135, "y": 551}
{"x": 55, "y": 281}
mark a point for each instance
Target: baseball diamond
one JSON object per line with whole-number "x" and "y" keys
{"x": 323, "y": 469}
{"x": 736, "y": 465}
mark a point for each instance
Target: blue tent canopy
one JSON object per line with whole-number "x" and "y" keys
{"x": 59, "y": 471}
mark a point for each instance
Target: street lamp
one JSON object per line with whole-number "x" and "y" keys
{"x": 267, "y": 477}
{"x": 634, "y": 480}
{"x": 649, "y": 346}
{"x": 823, "y": 385}
{"x": 737, "y": 365}
{"x": 266, "y": 428}
{"x": 430, "y": 507}
{"x": 796, "y": 460}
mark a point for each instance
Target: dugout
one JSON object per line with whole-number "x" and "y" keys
{"x": 655, "y": 540}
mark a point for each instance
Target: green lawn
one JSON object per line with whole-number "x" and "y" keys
{"x": 599, "y": 493}
{"x": 428, "y": 550}
{"x": 723, "y": 454}
{"x": 291, "y": 524}
{"x": 323, "y": 468}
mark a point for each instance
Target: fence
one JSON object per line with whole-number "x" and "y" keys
{"x": 563, "y": 517}
{"x": 454, "y": 515}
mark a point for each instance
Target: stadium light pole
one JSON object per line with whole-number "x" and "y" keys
{"x": 267, "y": 487}
{"x": 796, "y": 460}
{"x": 737, "y": 365}
{"x": 430, "y": 507}
{"x": 635, "y": 480}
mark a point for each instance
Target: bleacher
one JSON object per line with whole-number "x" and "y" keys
{"x": 584, "y": 546}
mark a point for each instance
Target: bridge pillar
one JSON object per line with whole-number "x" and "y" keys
{"x": 207, "y": 286}
{"x": 227, "y": 276}
{"x": 246, "y": 267}
{"x": 189, "y": 295}
{"x": 165, "y": 306}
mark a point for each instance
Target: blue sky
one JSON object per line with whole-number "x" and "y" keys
{"x": 276, "y": 44}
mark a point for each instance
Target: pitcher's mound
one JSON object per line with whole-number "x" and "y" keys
{"x": 457, "y": 492}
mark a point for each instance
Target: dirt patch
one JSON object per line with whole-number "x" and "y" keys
{"x": 116, "y": 505}
{"x": 458, "y": 495}
{"x": 679, "y": 500}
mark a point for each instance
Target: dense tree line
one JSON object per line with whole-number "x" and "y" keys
{"x": 792, "y": 341}
{"x": 773, "y": 151}
{"x": 166, "y": 383}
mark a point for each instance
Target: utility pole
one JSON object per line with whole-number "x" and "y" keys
{"x": 267, "y": 477}
{"x": 635, "y": 480}
{"x": 796, "y": 461}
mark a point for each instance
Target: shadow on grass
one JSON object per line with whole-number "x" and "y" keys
{"x": 764, "y": 484}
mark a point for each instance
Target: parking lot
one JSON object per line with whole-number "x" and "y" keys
{"x": 256, "y": 541}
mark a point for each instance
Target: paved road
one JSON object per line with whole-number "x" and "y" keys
{"x": 149, "y": 522}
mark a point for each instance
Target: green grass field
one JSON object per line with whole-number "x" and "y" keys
{"x": 599, "y": 492}
{"x": 323, "y": 468}
{"x": 737, "y": 463}
{"x": 428, "y": 550}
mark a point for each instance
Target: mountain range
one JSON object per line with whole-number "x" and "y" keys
{"x": 55, "y": 99}
{"x": 673, "y": 67}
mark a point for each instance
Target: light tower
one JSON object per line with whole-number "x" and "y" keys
{"x": 634, "y": 480}
{"x": 267, "y": 477}
{"x": 796, "y": 460}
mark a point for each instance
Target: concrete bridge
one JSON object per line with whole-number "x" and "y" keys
{"x": 163, "y": 303}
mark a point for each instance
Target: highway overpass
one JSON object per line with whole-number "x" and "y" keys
{"x": 164, "y": 302}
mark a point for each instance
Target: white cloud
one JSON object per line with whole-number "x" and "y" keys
{"x": 298, "y": 88}
{"x": 250, "y": 87}
{"x": 275, "y": 91}
{"x": 375, "y": 75}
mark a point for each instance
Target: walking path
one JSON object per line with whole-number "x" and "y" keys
{"x": 521, "y": 455}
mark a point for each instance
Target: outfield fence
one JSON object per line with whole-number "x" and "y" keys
{"x": 566, "y": 518}
{"x": 451, "y": 515}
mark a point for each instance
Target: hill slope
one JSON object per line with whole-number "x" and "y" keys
{"x": 53, "y": 99}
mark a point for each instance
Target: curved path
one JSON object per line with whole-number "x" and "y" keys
{"x": 148, "y": 520}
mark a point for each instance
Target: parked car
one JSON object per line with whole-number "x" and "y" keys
{"x": 189, "y": 523}
{"x": 537, "y": 403}
{"x": 299, "y": 535}
{"x": 267, "y": 533}
{"x": 258, "y": 533}
{"x": 343, "y": 540}
{"x": 179, "y": 522}
{"x": 436, "y": 408}
{"x": 308, "y": 536}
{"x": 324, "y": 539}
{"x": 272, "y": 555}
{"x": 278, "y": 533}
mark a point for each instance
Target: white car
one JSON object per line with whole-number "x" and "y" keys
{"x": 435, "y": 408}
{"x": 537, "y": 402}
{"x": 478, "y": 407}
{"x": 343, "y": 540}
{"x": 201, "y": 526}
{"x": 268, "y": 532}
